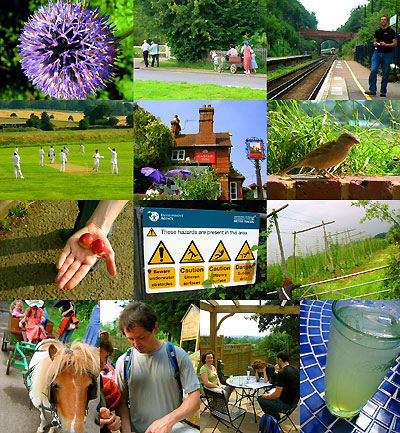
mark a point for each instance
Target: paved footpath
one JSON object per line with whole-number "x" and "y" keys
{"x": 348, "y": 80}
{"x": 201, "y": 76}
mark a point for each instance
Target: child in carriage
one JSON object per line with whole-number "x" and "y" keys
{"x": 33, "y": 320}
{"x": 16, "y": 309}
{"x": 232, "y": 52}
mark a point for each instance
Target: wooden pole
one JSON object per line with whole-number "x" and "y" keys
{"x": 213, "y": 331}
{"x": 278, "y": 233}
{"x": 260, "y": 192}
{"x": 327, "y": 252}
{"x": 294, "y": 256}
{"x": 351, "y": 245}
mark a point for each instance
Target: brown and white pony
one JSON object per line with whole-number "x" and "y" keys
{"x": 218, "y": 60}
{"x": 62, "y": 381}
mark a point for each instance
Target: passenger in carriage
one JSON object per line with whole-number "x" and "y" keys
{"x": 33, "y": 319}
{"x": 232, "y": 52}
{"x": 16, "y": 309}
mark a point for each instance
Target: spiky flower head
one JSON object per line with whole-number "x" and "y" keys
{"x": 68, "y": 50}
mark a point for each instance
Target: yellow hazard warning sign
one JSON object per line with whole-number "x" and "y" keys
{"x": 191, "y": 276}
{"x": 161, "y": 256}
{"x": 151, "y": 233}
{"x": 243, "y": 272}
{"x": 161, "y": 278}
{"x": 245, "y": 253}
{"x": 192, "y": 255}
{"x": 219, "y": 273}
{"x": 220, "y": 254}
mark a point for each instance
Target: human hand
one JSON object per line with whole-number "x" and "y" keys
{"x": 75, "y": 262}
{"x": 113, "y": 423}
{"x": 162, "y": 425}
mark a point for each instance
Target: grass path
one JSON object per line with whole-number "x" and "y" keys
{"x": 379, "y": 258}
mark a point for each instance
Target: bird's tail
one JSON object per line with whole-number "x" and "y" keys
{"x": 287, "y": 169}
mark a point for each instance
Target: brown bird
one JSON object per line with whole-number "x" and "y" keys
{"x": 328, "y": 155}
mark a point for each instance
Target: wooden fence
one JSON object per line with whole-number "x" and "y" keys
{"x": 236, "y": 357}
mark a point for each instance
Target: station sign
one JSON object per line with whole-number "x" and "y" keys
{"x": 183, "y": 248}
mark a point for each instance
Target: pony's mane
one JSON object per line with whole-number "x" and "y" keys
{"x": 83, "y": 359}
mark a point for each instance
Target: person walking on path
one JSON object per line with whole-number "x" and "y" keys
{"x": 113, "y": 161}
{"x": 91, "y": 335}
{"x": 384, "y": 41}
{"x": 246, "y": 51}
{"x": 17, "y": 169}
{"x": 96, "y": 159}
{"x": 145, "y": 51}
{"x": 41, "y": 156}
{"x": 51, "y": 154}
{"x": 155, "y": 56}
{"x": 63, "y": 159}
{"x": 254, "y": 64}
{"x": 68, "y": 323}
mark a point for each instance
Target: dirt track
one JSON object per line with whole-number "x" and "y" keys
{"x": 28, "y": 255}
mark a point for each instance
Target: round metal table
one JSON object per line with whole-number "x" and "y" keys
{"x": 248, "y": 389}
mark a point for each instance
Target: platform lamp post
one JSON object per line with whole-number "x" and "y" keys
{"x": 256, "y": 152}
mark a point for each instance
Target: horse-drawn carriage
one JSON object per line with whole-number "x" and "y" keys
{"x": 221, "y": 62}
{"x": 14, "y": 335}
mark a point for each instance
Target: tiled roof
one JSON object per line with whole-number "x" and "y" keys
{"x": 187, "y": 140}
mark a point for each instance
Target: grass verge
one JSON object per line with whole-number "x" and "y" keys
{"x": 285, "y": 69}
{"x": 158, "y": 90}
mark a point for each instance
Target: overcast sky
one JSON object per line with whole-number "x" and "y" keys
{"x": 331, "y": 15}
{"x": 243, "y": 119}
{"x": 302, "y": 214}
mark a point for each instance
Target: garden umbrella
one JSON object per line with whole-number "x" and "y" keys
{"x": 182, "y": 173}
{"x": 153, "y": 174}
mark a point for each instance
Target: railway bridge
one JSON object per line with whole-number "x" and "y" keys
{"x": 320, "y": 36}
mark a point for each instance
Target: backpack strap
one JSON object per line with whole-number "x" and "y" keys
{"x": 127, "y": 364}
{"x": 261, "y": 424}
{"x": 175, "y": 365}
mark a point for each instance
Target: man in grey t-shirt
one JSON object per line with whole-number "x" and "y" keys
{"x": 149, "y": 383}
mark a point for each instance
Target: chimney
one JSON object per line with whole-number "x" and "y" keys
{"x": 175, "y": 126}
{"x": 206, "y": 134}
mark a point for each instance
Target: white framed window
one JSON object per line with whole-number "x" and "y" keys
{"x": 178, "y": 155}
{"x": 233, "y": 190}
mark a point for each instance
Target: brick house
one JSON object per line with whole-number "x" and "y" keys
{"x": 208, "y": 148}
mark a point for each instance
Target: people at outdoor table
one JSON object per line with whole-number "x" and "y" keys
{"x": 264, "y": 371}
{"x": 287, "y": 388}
{"x": 209, "y": 375}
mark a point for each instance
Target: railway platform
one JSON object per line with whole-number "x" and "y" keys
{"x": 348, "y": 80}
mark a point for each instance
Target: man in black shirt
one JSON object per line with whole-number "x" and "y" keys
{"x": 385, "y": 40}
{"x": 287, "y": 391}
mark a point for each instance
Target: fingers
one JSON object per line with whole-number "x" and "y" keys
{"x": 110, "y": 262}
{"x": 64, "y": 254}
{"x": 71, "y": 265}
{"x": 79, "y": 275}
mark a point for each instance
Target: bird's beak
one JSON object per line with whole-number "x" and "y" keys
{"x": 356, "y": 141}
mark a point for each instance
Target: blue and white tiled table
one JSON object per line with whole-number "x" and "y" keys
{"x": 382, "y": 412}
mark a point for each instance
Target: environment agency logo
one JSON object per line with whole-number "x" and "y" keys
{"x": 154, "y": 216}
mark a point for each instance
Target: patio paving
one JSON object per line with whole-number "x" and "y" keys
{"x": 207, "y": 422}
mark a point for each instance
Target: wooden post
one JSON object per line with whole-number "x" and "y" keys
{"x": 213, "y": 332}
{"x": 278, "y": 233}
{"x": 351, "y": 245}
{"x": 327, "y": 252}
{"x": 294, "y": 256}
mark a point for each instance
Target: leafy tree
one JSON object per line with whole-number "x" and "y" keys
{"x": 51, "y": 116}
{"x": 83, "y": 124}
{"x": 13, "y": 115}
{"x": 153, "y": 144}
{"x": 192, "y": 28}
{"x": 198, "y": 185}
{"x": 113, "y": 121}
{"x": 34, "y": 121}
{"x": 71, "y": 118}
{"x": 46, "y": 124}
{"x": 98, "y": 112}
{"x": 129, "y": 120}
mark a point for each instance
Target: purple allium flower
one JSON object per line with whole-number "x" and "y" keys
{"x": 67, "y": 50}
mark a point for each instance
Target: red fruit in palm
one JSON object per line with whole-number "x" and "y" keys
{"x": 86, "y": 240}
{"x": 98, "y": 246}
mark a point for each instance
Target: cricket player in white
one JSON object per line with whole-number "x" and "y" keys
{"x": 51, "y": 154}
{"x": 82, "y": 147}
{"x": 113, "y": 161}
{"x": 16, "y": 166}
{"x": 16, "y": 150}
{"x": 96, "y": 160}
{"x": 63, "y": 160}
{"x": 41, "y": 156}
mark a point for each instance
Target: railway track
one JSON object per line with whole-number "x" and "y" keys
{"x": 277, "y": 87}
